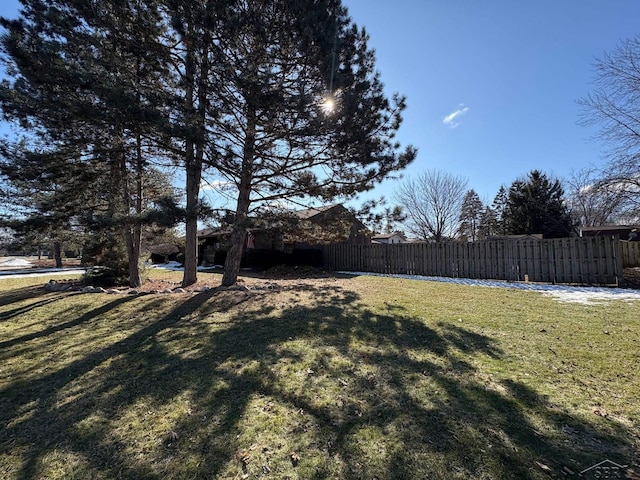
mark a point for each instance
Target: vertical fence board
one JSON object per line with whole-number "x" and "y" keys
{"x": 599, "y": 255}
{"x": 551, "y": 262}
{"x": 616, "y": 248}
{"x": 433, "y": 259}
{"x": 590, "y": 261}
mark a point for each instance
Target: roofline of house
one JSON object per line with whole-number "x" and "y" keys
{"x": 609, "y": 227}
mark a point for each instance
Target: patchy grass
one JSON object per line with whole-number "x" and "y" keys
{"x": 326, "y": 378}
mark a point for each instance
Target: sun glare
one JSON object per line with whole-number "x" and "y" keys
{"x": 328, "y": 105}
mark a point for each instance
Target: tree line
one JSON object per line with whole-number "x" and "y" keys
{"x": 438, "y": 206}
{"x": 113, "y": 100}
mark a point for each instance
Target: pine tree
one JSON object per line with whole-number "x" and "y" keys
{"x": 488, "y": 224}
{"x": 380, "y": 217}
{"x": 499, "y": 207}
{"x": 280, "y": 98}
{"x": 85, "y": 82}
{"x": 470, "y": 216}
{"x": 195, "y": 27}
{"x": 39, "y": 199}
{"x": 536, "y": 205}
{"x": 302, "y": 111}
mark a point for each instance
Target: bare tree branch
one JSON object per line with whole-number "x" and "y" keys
{"x": 432, "y": 203}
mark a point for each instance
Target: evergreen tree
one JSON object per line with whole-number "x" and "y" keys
{"x": 279, "y": 98}
{"x": 302, "y": 110}
{"x": 37, "y": 199}
{"x": 196, "y": 26}
{"x": 488, "y": 224}
{"x": 470, "y": 216}
{"x": 85, "y": 79}
{"x": 499, "y": 207}
{"x": 536, "y": 205}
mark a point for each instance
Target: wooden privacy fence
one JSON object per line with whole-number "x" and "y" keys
{"x": 587, "y": 260}
{"x": 630, "y": 254}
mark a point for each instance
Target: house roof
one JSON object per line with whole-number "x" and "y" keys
{"x": 524, "y": 236}
{"x": 262, "y": 224}
{"x": 382, "y": 236}
{"x": 312, "y": 212}
{"x": 213, "y": 232}
{"x": 609, "y": 228}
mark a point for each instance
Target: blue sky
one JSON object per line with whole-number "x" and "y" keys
{"x": 513, "y": 70}
{"x": 505, "y": 73}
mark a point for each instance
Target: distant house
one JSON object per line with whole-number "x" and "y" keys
{"x": 389, "y": 238}
{"x": 164, "y": 252}
{"x": 625, "y": 232}
{"x": 285, "y": 232}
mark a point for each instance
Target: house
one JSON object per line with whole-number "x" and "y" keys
{"x": 164, "y": 252}
{"x": 624, "y": 232}
{"x": 389, "y": 238}
{"x": 276, "y": 235}
{"x": 329, "y": 224}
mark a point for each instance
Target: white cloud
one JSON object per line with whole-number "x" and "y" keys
{"x": 215, "y": 185}
{"x": 453, "y": 119}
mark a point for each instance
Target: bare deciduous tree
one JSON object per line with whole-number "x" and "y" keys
{"x": 593, "y": 202}
{"x": 614, "y": 105}
{"x": 432, "y": 202}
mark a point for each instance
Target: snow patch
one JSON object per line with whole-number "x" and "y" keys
{"x": 15, "y": 263}
{"x": 178, "y": 267}
{"x": 561, "y": 293}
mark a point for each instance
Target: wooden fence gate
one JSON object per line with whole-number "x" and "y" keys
{"x": 585, "y": 261}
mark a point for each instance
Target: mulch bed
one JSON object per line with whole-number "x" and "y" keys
{"x": 51, "y": 263}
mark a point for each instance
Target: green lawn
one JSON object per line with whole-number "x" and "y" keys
{"x": 336, "y": 378}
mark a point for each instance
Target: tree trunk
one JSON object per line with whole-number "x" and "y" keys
{"x": 133, "y": 239}
{"x": 234, "y": 255}
{"x": 238, "y": 235}
{"x": 195, "y": 145}
{"x": 57, "y": 254}
{"x": 191, "y": 226}
{"x": 192, "y": 187}
{"x": 133, "y": 233}
{"x": 132, "y": 228}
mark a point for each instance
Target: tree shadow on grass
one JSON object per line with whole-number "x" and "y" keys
{"x": 35, "y": 293}
{"x": 240, "y": 385}
{"x": 15, "y": 312}
{"x": 292, "y": 273}
{"x": 61, "y": 326}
